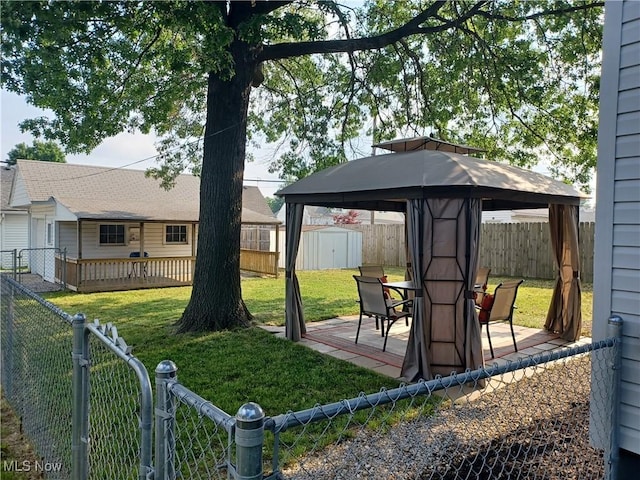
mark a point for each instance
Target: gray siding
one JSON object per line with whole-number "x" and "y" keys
{"x": 68, "y": 238}
{"x": 617, "y": 237}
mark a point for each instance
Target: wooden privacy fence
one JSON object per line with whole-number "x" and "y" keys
{"x": 509, "y": 249}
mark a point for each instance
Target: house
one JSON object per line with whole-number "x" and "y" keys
{"x": 325, "y": 216}
{"x": 530, "y": 215}
{"x": 616, "y": 288}
{"x": 115, "y": 229}
{"x": 14, "y": 222}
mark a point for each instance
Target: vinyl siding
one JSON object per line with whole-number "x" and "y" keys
{"x": 19, "y": 196}
{"x": 617, "y": 251}
{"x": 67, "y": 238}
{"x": 153, "y": 242}
{"x": 14, "y": 231}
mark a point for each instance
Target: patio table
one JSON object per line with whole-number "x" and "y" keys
{"x": 402, "y": 287}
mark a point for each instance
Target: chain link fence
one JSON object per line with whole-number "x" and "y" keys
{"x": 36, "y": 372}
{"x": 9, "y": 262}
{"x": 120, "y": 398}
{"x": 530, "y": 420}
{"x": 41, "y": 265}
{"x": 193, "y": 437}
{"x": 57, "y": 374}
{"x": 91, "y": 414}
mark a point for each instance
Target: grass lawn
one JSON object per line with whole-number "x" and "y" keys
{"x": 233, "y": 367}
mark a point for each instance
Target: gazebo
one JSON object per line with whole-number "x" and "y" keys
{"x": 442, "y": 191}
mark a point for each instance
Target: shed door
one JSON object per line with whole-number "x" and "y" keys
{"x": 332, "y": 250}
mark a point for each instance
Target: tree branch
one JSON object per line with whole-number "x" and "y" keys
{"x": 412, "y": 27}
{"x": 545, "y": 13}
{"x": 138, "y": 61}
{"x": 264, "y": 8}
{"x": 239, "y": 11}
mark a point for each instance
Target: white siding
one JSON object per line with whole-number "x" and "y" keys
{"x": 14, "y": 231}
{"x": 617, "y": 244}
{"x": 14, "y": 234}
{"x": 19, "y": 196}
{"x": 496, "y": 216}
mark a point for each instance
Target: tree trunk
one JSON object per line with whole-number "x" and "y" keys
{"x": 217, "y": 267}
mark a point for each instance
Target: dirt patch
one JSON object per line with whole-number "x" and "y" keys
{"x": 16, "y": 452}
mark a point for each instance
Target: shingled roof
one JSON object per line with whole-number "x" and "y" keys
{"x": 102, "y": 193}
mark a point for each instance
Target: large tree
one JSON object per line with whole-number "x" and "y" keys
{"x": 518, "y": 78}
{"x": 43, "y": 151}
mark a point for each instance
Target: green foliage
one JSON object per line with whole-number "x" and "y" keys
{"x": 275, "y": 203}
{"x": 518, "y": 78}
{"x": 522, "y": 86}
{"x": 43, "y": 151}
{"x": 106, "y": 67}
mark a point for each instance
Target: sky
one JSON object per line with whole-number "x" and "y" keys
{"x": 123, "y": 149}
{"x": 126, "y": 149}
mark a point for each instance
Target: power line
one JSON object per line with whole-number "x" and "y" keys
{"x": 152, "y": 157}
{"x": 263, "y": 180}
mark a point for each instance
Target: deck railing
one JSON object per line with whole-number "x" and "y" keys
{"x": 259, "y": 261}
{"x": 110, "y": 274}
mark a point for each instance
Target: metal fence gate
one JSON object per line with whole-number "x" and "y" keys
{"x": 59, "y": 372}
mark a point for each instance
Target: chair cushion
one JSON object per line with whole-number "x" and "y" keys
{"x": 485, "y": 308}
{"x": 387, "y": 293}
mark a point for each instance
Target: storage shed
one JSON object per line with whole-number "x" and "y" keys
{"x": 323, "y": 248}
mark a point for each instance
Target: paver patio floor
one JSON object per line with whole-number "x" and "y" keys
{"x": 336, "y": 337}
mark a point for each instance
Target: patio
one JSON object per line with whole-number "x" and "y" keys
{"x": 336, "y": 337}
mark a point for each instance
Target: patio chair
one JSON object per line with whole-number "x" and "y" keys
{"x": 480, "y": 288}
{"x": 374, "y": 304}
{"x": 499, "y": 307}
{"x": 371, "y": 271}
{"x": 375, "y": 271}
{"x": 135, "y": 265}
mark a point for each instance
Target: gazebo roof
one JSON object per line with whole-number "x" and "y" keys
{"x": 385, "y": 182}
{"x": 426, "y": 143}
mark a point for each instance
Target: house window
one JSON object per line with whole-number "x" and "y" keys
{"x": 112, "y": 234}
{"x": 175, "y": 234}
{"x": 49, "y": 233}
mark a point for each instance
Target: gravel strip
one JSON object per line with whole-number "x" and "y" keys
{"x": 536, "y": 427}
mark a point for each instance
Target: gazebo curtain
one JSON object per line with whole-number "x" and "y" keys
{"x": 565, "y": 315}
{"x": 294, "y": 315}
{"x": 443, "y": 237}
{"x": 416, "y": 363}
{"x": 473, "y": 346}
